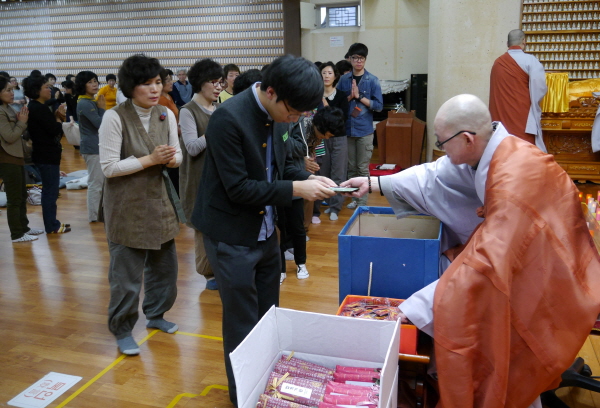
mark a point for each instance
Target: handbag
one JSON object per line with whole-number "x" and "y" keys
{"x": 71, "y": 131}
{"x": 34, "y": 196}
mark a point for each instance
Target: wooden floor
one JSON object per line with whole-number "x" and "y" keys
{"x": 54, "y": 295}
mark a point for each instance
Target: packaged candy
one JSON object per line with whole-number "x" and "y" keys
{"x": 305, "y": 365}
{"x": 356, "y": 370}
{"x": 283, "y": 367}
{"x": 363, "y": 377}
{"x": 302, "y": 390}
{"x": 367, "y": 402}
{"x": 333, "y": 387}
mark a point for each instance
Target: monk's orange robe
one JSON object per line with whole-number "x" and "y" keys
{"x": 509, "y": 96}
{"x": 515, "y": 307}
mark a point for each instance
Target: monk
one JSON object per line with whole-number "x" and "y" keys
{"x": 517, "y": 86}
{"x": 523, "y": 291}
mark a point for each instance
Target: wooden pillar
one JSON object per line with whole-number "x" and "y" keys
{"x": 291, "y": 27}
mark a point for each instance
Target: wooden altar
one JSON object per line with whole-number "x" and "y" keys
{"x": 568, "y": 136}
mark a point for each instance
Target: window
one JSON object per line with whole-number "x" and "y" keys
{"x": 340, "y": 16}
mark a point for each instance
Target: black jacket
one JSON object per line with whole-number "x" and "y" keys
{"x": 234, "y": 190}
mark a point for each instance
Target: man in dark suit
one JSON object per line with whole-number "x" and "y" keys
{"x": 246, "y": 175}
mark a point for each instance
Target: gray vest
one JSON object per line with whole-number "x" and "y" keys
{"x": 191, "y": 167}
{"x": 137, "y": 210}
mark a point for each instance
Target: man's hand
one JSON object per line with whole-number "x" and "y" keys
{"x": 313, "y": 189}
{"x": 361, "y": 183}
{"x": 403, "y": 319}
{"x": 311, "y": 165}
{"x": 355, "y": 91}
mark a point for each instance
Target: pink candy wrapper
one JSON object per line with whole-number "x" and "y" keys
{"x": 301, "y": 390}
{"x": 333, "y": 387}
{"x": 343, "y": 377}
{"x": 265, "y": 401}
{"x": 305, "y": 365}
{"x": 281, "y": 367}
{"x": 356, "y": 370}
{"x": 349, "y": 400}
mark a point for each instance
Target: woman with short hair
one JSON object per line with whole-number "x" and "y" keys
{"x": 45, "y": 130}
{"x": 90, "y": 115}
{"x": 141, "y": 211}
{"x": 12, "y": 165}
{"x": 109, "y": 91}
{"x": 206, "y": 77}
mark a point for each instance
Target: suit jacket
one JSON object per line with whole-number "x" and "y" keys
{"x": 10, "y": 131}
{"x": 234, "y": 190}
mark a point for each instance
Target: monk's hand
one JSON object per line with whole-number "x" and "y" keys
{"x": 361, "y": 183}
{"x": 403, "y": 319}
{"x": 313, "y": 189}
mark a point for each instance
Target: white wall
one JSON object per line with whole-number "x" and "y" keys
{"x": 465, "y": 37}
{"x": 396, "y": 32}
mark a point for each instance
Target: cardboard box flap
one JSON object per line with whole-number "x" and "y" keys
{"x": 388, "y": 226}
{"x": 263, "y": 342}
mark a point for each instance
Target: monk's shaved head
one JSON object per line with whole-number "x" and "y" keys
{"x": 515, "y": 37}
{"x": 464, "y": 126}
{"x": 464, "y": 112}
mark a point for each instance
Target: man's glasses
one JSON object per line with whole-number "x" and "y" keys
{"x": 358, "y": 58}
{"x": 439, "y": 145}
{"x": 292, "y": 116}
{"x": 220, "y": 83}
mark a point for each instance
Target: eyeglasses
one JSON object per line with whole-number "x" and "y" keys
{"x": 222, "y": 84}
{"x": 439, "y": 145}
{"x": 358, "y": 58}
{"x": 293, "y": 116}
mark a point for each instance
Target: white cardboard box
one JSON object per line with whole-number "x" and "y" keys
{"x": 322, "y": 339}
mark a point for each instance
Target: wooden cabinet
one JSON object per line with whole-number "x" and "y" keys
{"x": 564, "y": 35}
{"x": 568, "y": 136}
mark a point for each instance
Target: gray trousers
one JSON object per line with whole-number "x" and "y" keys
{"x": 360, "y": 150}
{"x": 248, "y": 281}
{"x": 128, "y": 266}
{"x": 334, "y": 165}
{"x": 95, "y": 182}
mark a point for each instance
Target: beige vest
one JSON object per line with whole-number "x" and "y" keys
{"x": 191, "y": 167}
{"x": 137, "y": 209}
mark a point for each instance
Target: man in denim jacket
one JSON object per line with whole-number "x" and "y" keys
{"x": 364, "y": 97}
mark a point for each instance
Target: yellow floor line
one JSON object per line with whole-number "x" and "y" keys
{"x": 119, "y": 359}
{"x": 202, "y": 394}
{"x": 99, "y": 375}
{"x": 200, "y": 335}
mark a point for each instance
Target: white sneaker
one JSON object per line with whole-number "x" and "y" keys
{"x": 288, "y": 255}
{"x": 25, "y": 238}
{"x": 302, "y": 273}
{"x": 352, "y": 205}
{"x": 315, "y": 220}
{"x": 282, "y": 278}
{"x": 333, "y": 216}
{"x": 33, "y": 231}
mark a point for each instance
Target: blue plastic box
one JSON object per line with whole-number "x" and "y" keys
{"x": 405, "y": 253}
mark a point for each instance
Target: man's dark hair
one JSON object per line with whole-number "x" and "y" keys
{"x": 230, "y": 67}
{"x": 245, "y": 80}
{"x": 36, "y": 72}
{"x": 136, "y": 70}
{"x": 111, "y": 76}
{"x": 204, "y": 71}
{"x": 264, "y": 67}
{"x": 32, "y": 86}
{"x": 169, "y": 72}
{"x": 330, "y": 119}
{"x": 5, "y": 75}
{"x": 68, "y": 84}
{"x": 70, "y": 77}
{"x": 3, "y": 83}
{"x": 318, "y": 64}
{"x": 358, "y": 49}
{"x": 81, "y": 81}
{"x": 296, "y": 80}
{"x": 335, "y": 71}
{"x": 49, "y": 75}
{"x": 343, "y": 66}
